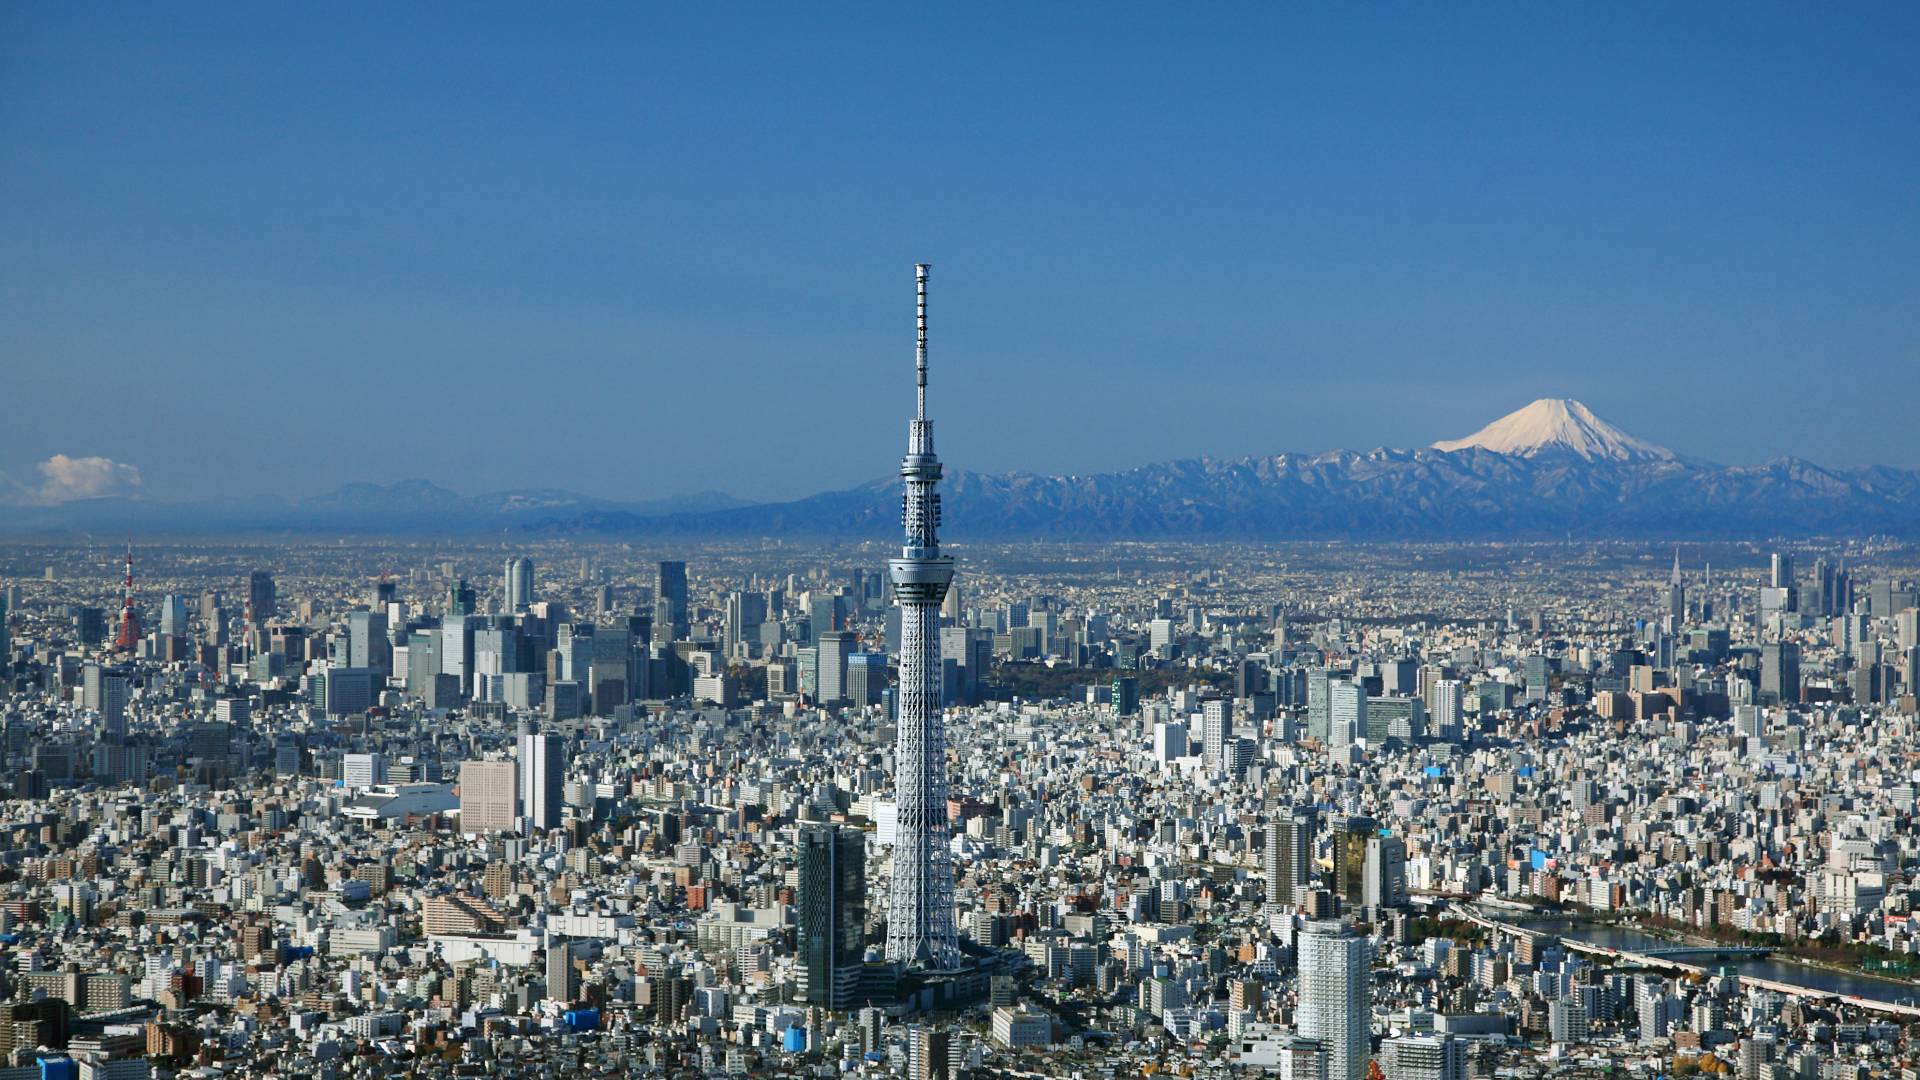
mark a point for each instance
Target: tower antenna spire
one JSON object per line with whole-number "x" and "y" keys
{"x": 920, "y": 273}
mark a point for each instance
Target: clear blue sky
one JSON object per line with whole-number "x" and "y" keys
{"x": 641, "y": 249}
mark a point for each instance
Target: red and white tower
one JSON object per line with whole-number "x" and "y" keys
{"x": 129, "y": 637}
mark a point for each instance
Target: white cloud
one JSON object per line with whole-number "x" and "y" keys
{"x": 68, "y": 478}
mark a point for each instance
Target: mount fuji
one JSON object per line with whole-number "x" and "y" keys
{"x": 1550, "y": 470}
{"x": 1558, "y": 425}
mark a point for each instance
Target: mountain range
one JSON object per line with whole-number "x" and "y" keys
{"x": 1548, "y": 470}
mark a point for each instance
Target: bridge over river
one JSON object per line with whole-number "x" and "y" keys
{"x": 1751, "y": 965}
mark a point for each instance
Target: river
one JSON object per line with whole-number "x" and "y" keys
{"x": 1832, "y": 982}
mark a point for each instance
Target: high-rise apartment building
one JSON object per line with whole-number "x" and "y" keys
{"x": 1336, "y": 996}
{"x": 1446, "y": 709}
{"x": 1287, "y": 860}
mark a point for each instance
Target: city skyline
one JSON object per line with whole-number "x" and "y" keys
{"x": 1542, "y": 738}
{"x": 1376, "y": 230}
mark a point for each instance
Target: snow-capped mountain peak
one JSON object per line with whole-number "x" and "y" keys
{"x": 1558, "y": 424}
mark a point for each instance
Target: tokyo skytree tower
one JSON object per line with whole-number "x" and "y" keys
{"x": 920, "y": 927}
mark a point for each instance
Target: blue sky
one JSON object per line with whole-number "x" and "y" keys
{"x": 642, "y": 249}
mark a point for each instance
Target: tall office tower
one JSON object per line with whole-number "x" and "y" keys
{"x": 1335, "y": 998}
{"x": 89, "y": 623}
{"x": 920, "y": 926}
{"x": 173, "y": 616}
{"x": 866, "y": 678}
{"x": 1779, "y": 672}
{"x": 129, "y": 635}
{"x": 543, "y": 775}
{"x": 1782, "y": 594}
{"x": 367, "y": 643}
{"x": 1350, "y": 838}
{"x": 460, "y": 599}
{"x": 670, "y": 618}
{"x": 91, "y": 677}
{"x": 1287, "y": 860}
{"x": 1216, "y": 719}
{"x": 261, "y": 600}
{"x": 1319, "y": 713}
{"x": 1346, "y": 713}
{"x": 489, "y": 796}
{"x": 6, "y": 645}
{"x": 1676, "y": 597}
{"x": 611, "y": 681}
{"x": 1386, "y": 872}
{"x": 1821, "y": 603}
{"x": 742, "y": 616}
{"x": 833, "y": 913}
{"x": 518, "y": 584}
{"x": 114, "y": 695}
{"x": 1446, "y": 705}
{"x": 831, "y": 652}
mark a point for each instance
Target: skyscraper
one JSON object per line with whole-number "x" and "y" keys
{"x": 833, "y": 649}
{"x": 1335, "y": 998}
{"x": 543, "y": 774}
{"x": 1676, "y": 597}
{"x": 1779, "y": 672}
{"x": 173, "y": 616}
{"x": 260, "y": 596}
{"x": 866, "y": 678}
{"x": 1346, "y": 713}
{"x": 367, "y": 643}
{"x": 670, "y": 602}
{"x": 1319, "y": 703}
{"x": 563, "y": 979}
{"x": 1288, "y": 859}
{"x": 1216, "y": 727}
{"x": 920, "y": 926}
{"x": 518, "y": 584}
{"x": 1446, "y": 706}
{"x": 833, "y": 913}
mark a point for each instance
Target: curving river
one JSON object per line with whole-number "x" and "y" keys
{"x": 1834, "y": 982}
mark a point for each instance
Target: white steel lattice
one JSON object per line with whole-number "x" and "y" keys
{"x": 920, "y": 928}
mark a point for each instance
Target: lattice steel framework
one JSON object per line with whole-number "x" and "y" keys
{"x": 920, "y": 927}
